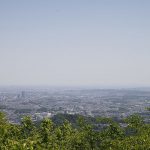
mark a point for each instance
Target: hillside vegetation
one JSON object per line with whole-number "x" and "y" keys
{"x": 46, "y": 135}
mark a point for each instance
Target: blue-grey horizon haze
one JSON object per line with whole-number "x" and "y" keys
{"x": 75, "y": 43}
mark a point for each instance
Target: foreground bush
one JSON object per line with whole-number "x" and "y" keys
{"x": 85, "y": 136}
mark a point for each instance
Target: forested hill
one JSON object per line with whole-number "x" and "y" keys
{"x": 82, "y": 135}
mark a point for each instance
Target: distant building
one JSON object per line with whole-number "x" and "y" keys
{"x": 23, "y": 94}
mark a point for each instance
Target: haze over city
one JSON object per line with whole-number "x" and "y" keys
{"x": 75, "y": 43}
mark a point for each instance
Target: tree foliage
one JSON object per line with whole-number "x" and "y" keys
{"x": 135, "y": 135}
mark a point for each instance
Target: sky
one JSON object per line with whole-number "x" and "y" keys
{"x": 75, "y": 42}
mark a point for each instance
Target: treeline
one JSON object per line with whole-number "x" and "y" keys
{"x": 47, "y": 135}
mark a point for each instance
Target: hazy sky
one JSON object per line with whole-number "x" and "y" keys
{"x": 75, "y": 42}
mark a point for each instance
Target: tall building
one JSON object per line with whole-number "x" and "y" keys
{"x": 23, "y": 94}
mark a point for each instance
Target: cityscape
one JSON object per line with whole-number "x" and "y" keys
{"x": 40, "y": 103}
